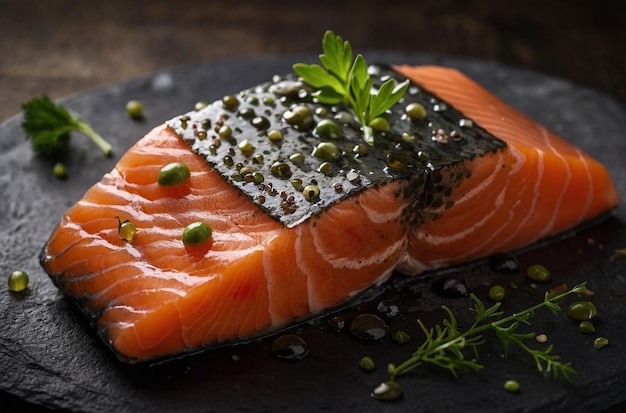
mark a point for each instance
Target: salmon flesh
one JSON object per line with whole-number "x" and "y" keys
{"x": 305, "y": 216}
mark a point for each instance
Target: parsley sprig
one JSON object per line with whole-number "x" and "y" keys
{"x": 342, "y": 80}
{"x": 48, "y": 125}
{"x": 445, "y": 344}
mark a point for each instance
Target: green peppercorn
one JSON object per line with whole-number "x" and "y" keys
{"x": 173, "y": 174}
{"x": 297, "y": 158}
{"x": 407, "y": 137}
{"x": 225, "y": 131}
{"x": 586, "y": 327}
{"x": 280, "y": 170}
{"x": 299, "y": 117}
{"x": 328, "y": 129}
{"x": 127, "y": 230}
{"x": 230, "y": 102}
{"x": 400, "y": 337}
{"x": 497, "y": 293}
{"x": 228, "y": 161}
{"x": 511, "y": 385}
{"x": 18, "y": 281}
{"x": 367, "y": 363}
{"x": 247, "y": 113}
{"x": 236, "y": 176}
{"x": 134, "y": 108}
{"x": 257, "y": 177}
{"x": 345, "y": 118}
{"x": 258, "y": 158}
{"x": 326, "y": 168}
{"x": 297, "y": 183}
{"x": 200, "y": 105}
{"x": 389, "y": 390}
{"x": 260, "y": 122}
{"x": 275, "y": 135}
{"x": 246, "y": 147}
{"x": 327, "y": 151}
{"x": 582, "y": 310}
{"x": 60, "y": 170}
{"x": 321, "y": 111}
{"x": 538, "y": 272}
{"x": 196, "y": 233}
{"x": 311, "y": 192}
{"x": 416, "y": 111}
{"x": 360, "y": 149}
{"x": 600, "y": 343}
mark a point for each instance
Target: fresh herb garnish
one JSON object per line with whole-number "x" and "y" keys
{"x": 341, "y": 80}
{"x": 48, "y": 125}
{"x": 445, "y": 344}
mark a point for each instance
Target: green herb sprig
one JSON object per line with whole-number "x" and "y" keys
{"x": 341, "y": 80}
{"x": 445, "y": 344}
{"x": 48, "y": 125}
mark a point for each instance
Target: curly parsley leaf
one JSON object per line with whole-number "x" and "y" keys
{"x": 48, "y": 125}
{"x": 341, "y": 80}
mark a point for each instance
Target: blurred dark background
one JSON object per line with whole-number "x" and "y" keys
{"x": 61, "y": 47}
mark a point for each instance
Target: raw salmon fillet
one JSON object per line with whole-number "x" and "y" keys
{"x": 272, "y": 259}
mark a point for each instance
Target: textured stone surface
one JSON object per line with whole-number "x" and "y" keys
{"x": 49, "y": 356}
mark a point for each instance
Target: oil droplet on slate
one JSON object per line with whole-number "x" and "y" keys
{"x": 504, "y": 263}
{"x": 388, "y": 308}
{"x": 369, "y": 327}
{"x": 337, "y": 322}
{"x": 290, "y": 347}
{"x": 450, "y": 287}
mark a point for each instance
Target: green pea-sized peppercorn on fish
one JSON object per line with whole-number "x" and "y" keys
{"x": 301, "y": 215}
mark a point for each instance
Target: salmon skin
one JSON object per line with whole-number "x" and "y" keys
{"x": 306, "y": 216}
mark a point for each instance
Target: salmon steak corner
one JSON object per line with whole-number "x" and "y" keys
{"x": 303, "y": 220}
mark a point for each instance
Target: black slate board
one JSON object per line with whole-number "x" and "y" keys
{"x": 50, "y": 358}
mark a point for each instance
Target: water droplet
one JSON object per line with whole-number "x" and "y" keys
{"x": 396, "y": 161}
{"x": 466, "y": 123}
{"x": 504, "y": 263}
{"x": 337, "y": 322}
{"x": 369, "y": 327}
{"x": 359, "y": 149}
{"x": 450, "y": 287}
{"x": 440, "y": 107}
{"x": 388, "y": 308}
{"x": 353, "y": 177}
{"x": 290, "y": 347}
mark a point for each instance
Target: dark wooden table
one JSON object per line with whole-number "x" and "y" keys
{"x": 60, "y": 47}
{"x": 64, "y": 46}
